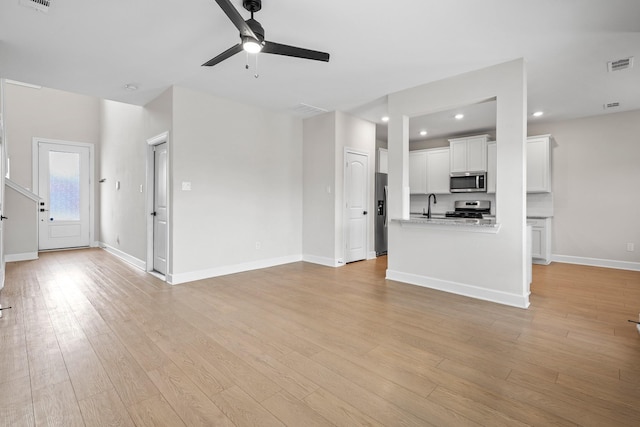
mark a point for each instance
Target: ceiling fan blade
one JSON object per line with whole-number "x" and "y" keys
{"x": 236, "y": 18}
{"x": 224, "y": 55}
{"x": 297, "y": 52}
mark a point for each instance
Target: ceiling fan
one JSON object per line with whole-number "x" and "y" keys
{"x": 252, "y": 37}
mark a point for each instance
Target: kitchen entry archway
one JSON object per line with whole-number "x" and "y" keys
{"x": 158, "y": 205}
{"x": 356, "y": 196}
{"x": 62, "y": 172}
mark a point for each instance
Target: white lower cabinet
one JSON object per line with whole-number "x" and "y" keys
{"x": 540, "y": 240}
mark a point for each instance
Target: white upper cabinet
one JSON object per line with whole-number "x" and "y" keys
{"x": 383, "y": 160}
{"x": 492, "y": 166}
{"x": 539, "y": 164}
{"x": 468, "y": 154}
{"x": 438, "y": 171}
{"x": 418, "y": 172}
{"x": 429, "y": 171}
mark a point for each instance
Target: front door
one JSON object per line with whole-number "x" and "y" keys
{"x": 356, "y": 191}
{"x": 160, "y": 208}
{"x": 64, "y": 188}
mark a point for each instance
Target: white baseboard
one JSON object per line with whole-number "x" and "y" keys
{"x": 372, "y": 255}
{"x": 329, "y": 262}
{"x": 514, "y": 300}
{"x": 27, "y": 256}
{"x": 138, "y": 263}
{"x": 597, "y": 262}
{"x": 175, "y": 279}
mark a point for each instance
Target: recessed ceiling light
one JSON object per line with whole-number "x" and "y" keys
{"x": 130, "y": 86}
{"x": 538, "y": 113}
{"x": 423, "y": 132}
{"x": 459, "y": 116}
{"x": 385, "y": 119}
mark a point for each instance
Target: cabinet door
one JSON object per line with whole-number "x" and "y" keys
{"x": 492, "y": 166}
{"x": 538, "y": 165}
{"x": 458, "y": 156}
{"x": 383, "y": 160}
{"x": 417, "y": 172}
{"x": 477, "y": 154}
{"x": 438, "y": 171}
{"x": 537, "y": 242}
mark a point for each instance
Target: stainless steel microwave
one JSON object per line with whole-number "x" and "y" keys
{"x": 468, "y": 182}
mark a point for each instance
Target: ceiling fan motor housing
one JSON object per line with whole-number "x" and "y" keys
{"x": 256, "y": 28}
{"x": 252, "y": 5}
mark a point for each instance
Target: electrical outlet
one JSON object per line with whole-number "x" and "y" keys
{"x": 631, "y": 247}
{"x": 258, "y": 245}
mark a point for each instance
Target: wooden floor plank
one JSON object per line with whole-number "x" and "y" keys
{"x": 16, "y": 403}
{"x": 56, "y": 405}
{"x": 127, "y": 376}
{"x": 93, "y": 341}
{"x": 105, "y": 409}
{"x": 187, "y": 400}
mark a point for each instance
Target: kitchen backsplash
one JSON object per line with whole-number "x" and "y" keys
{"x": 540, "y": 205}
{"x": 446, "y": 201}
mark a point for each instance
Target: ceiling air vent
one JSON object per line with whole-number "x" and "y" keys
{"x": 307, "y": 110}
{"x": 41, "y": 5}
{"x": 620, "y": 64}
{"x": 610, "y": 105}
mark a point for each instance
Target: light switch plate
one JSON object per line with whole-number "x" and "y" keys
{"x": 186, "y": 186}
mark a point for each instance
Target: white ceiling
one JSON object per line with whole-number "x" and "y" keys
{"x": 377, "y": 47}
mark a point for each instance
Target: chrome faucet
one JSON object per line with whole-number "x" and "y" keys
{"x": 429, "y": 204}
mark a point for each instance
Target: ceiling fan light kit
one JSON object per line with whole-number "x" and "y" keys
{"x": 252, "y": 37}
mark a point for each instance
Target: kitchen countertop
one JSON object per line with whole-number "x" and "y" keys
{"x": 485, "y": 225}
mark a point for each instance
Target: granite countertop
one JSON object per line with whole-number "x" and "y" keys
{"x": 449, "y": 221}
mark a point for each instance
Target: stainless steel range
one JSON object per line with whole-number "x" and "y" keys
{"x": 470, "y": 209}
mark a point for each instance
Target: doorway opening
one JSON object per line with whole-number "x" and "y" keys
{"x": 356, "y": 196}
{"x": 62, "y": 172}
{"x": 158, "y": 205}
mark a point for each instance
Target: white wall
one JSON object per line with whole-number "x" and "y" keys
{"x": 319, "y": 172}
{"x": 487, "y": 266}
{"x": 595, "y": 178}
{"x": 44, "y": 113}
{"x": 21, "y": 228}
{"x": 359, "y": 135}
{"x": 325, "y": 138}
{"x": 245, "y": 168}
{"x": 122, "y": 211}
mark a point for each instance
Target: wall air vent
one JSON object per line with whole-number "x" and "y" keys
{"x": 611, "y": 105}
{"x": 306, "y": 110}
{"x": 40, "y": 5}
{"x": 620, "y": 64}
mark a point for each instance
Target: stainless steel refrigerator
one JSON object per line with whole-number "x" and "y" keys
{"x": 381, "y": 214}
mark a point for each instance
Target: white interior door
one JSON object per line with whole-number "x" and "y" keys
{"x": 64, "y": 187}
{"x": 160, "y": 208}
{"x": 357, "y": 202}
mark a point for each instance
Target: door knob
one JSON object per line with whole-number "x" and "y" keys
{"x": 153, "y": 214}
{"x": 364, "y": 213}
{"x": 2, "y": 217}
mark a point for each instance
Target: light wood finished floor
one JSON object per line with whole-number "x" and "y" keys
{"x": 92, "y": 341}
